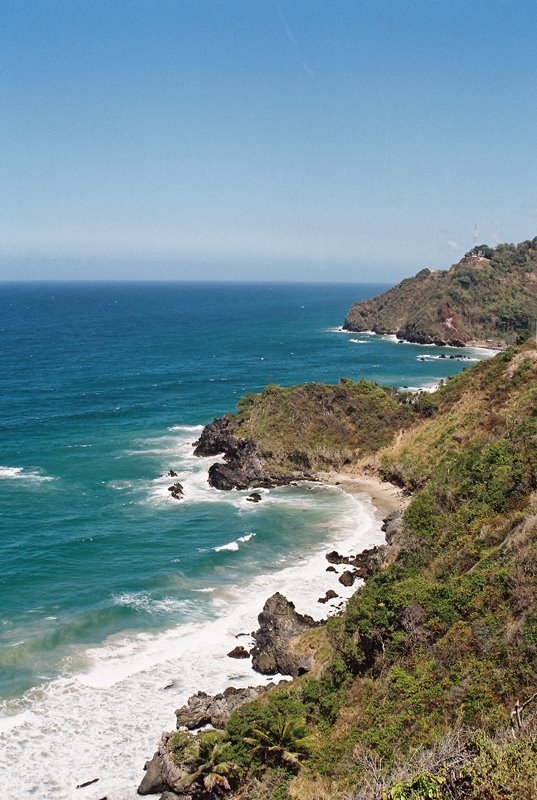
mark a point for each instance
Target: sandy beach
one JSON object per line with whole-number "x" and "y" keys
{"x": 385, "y": 496}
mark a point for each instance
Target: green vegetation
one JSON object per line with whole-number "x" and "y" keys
{"x": 319, "y": 426}
{"x": 412, "y": 695}
{"x": 490, "y": 295}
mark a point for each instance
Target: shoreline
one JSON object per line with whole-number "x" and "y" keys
{"x": 378, "y": 499}
{"x": 301, "y": 580}
{"x": 386, "y": 497}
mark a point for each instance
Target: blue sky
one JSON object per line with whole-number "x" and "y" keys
{"x": 263, "y": 139}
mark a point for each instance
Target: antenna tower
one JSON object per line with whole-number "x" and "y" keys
{"x": 475, "y": 235}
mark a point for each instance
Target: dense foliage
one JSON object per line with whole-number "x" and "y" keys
{"x": 490, "y": 295}
{"x": 321, "y": 426}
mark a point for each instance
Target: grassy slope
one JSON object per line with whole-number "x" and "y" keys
{"x": 478, "y": 299}
{"x": 315, "y": 426}
{"x": 444, "y": 638}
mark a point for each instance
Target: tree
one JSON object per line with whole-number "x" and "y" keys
{"x": 284, "y": 742}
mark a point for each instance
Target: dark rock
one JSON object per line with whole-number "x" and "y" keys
{"x": 176, "y": 490}
{"x": 329, "y": 595}
{"x": 392, "y": 525}
{"x": 368, "y": 561}
{"x": 205, "y": 709}
{"x": 171, "y": 474}
{"x": 153, "y": 781}
{"x": 347, "y": 578}
{"x": 331, "y": 569}
{"x": 239, "y": 652}
{"x": 243, "y": 467}
{"x": 334, "y": 558}
{"x": 87, "y": 783}
{"x": 213, "y": 439}
{"x": 169, "y": 686}
{"x": 280, "y": 625}
{"x": 255, "y": 497}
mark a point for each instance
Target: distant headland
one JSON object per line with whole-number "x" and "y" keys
{"x": 489, "y": 298}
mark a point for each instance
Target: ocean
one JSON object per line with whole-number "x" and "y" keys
{"x": 110, "y": 590}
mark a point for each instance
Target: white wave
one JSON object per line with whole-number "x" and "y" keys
{"x": 235, "y": 544}
{"x": 206, "y": 590}
{"x": 143, "y": 601}
{"x": 429, "y": 387}
{"x": 188, "y": 428}
{"x": 429, "y": 357}
{"x": 358, "y": 341}
{"x": 109, "y": 716}
{"x": 19, "y": 473}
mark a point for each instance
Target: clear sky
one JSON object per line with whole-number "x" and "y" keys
{"x": 263, "y": 139}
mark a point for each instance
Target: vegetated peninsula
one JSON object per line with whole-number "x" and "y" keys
{"x": 489, "y": 298}
{"x": 425, "y": 684}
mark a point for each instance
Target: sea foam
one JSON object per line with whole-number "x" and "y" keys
{"x": 105, "y": 720}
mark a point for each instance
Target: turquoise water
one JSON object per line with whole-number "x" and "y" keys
{"x": 103, "y": 388}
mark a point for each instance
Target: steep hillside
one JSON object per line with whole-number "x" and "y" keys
{"x": 412, "y": 686}
{"x": 489, "y": 297}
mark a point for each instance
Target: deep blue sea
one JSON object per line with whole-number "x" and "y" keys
{"x": 110, "y": 589}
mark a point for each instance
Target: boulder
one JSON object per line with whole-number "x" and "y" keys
{"x": 280, "y": 626}
{"x": 335, "y": 558}
{"x": 171, "y": 474}
{"x": 347, "y": 578}
{"x": 329, "y": 595}
{"x": 205, "y": 709}
{"x": 255, "y": 497}
{"x": 176, "y": 490}
{"x": 239, "y": 652}
{"x": 331, "y": 569}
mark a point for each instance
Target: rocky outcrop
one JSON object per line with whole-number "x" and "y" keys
{"x": 164, "y": 774}
{"x": 329, "y": 595}
{"x": 392, "y": 524}
{"x": 205, "y": 709}
{"x": 365, "y": 563}
{"x": 214, "y": 439}
{"x": 255, "y": 497}
{"x": 239, "y": 652}
{"x": 243, "y": 467}
{"x": 368, "y": 561}
{"x": 280, "y": 625}
{"x": 176, "y": 491}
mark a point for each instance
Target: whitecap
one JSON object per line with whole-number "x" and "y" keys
{"x": 234, "y": 545}
{"x": 18, "y": 473}
{"x": 142, "y": 601}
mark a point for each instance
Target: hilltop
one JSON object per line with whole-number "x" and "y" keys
{"x": 410, "y": 689}
{"x": 488, "y": 298}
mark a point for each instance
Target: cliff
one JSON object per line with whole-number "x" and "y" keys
{"x": 417, "y": 689}
{"x": 287, "y": 433}
{"x": 488, "y": 298}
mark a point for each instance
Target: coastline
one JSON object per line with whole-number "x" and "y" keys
{"x": 377, "y": 500}
{"x": 110, "y": 683}
{"x": 386, "y": 497}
